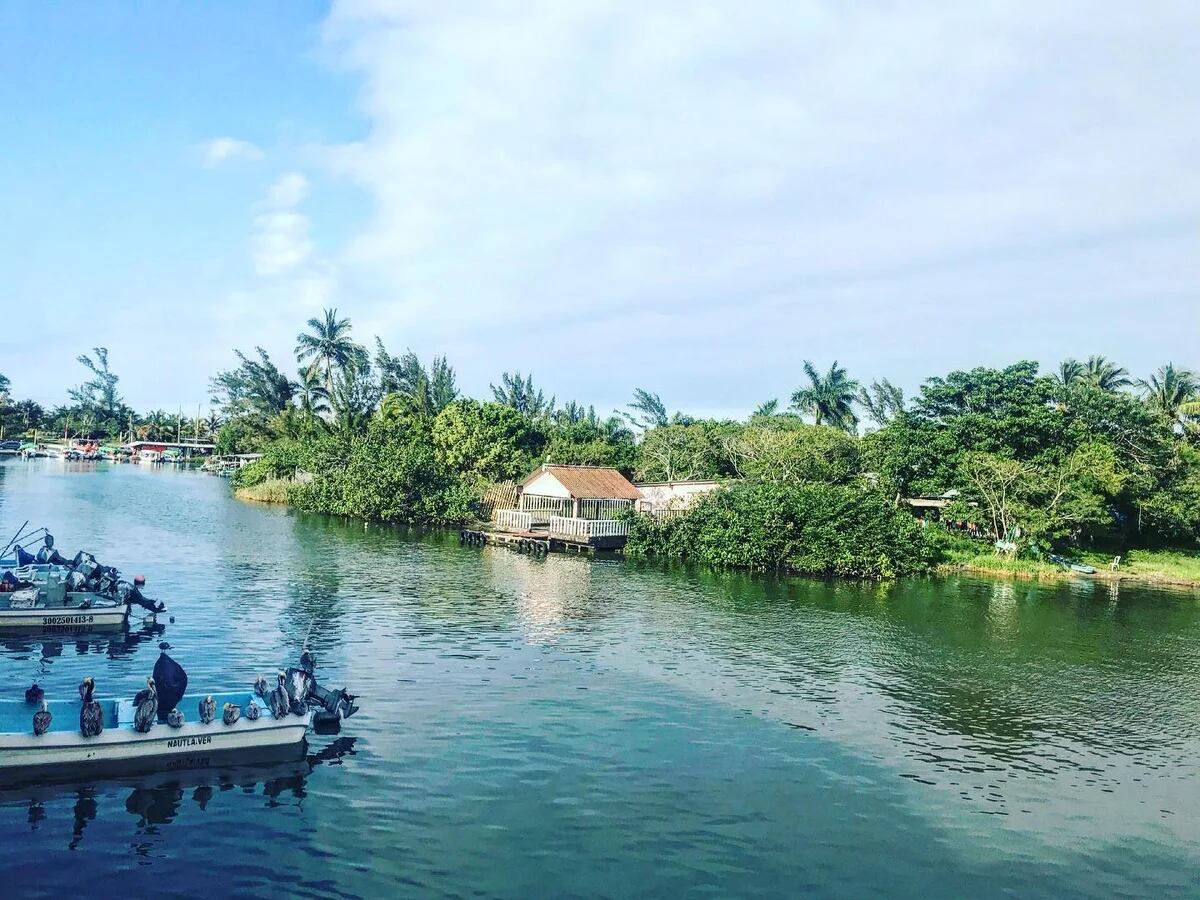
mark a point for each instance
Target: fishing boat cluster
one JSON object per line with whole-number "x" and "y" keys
{"x": 44, "y": 590}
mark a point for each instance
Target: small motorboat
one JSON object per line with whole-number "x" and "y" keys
{"x": 63, "y": 749}
{"x": 47, "y": 605}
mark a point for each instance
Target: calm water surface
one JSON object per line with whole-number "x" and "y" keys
{"x": 565, "y": 727}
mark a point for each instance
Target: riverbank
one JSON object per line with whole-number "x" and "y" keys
{"x": 273, "y": 490}
{"x": 1168, "y": 568}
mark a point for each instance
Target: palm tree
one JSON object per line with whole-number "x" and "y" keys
{"x": 1171, "y": 392}
{"x": 1071, "y": 371}
{"x": 328, "y": 347}
{"x": 313, "y": 397}
{"x": 829, "y": 398}
{"x": 765, "y": 410}
{"x": 1105, "y": 374}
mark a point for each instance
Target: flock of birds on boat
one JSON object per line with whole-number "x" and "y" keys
{"x": 279, "y": 700}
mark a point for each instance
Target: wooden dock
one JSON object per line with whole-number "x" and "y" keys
{"x": 537, "y": 543}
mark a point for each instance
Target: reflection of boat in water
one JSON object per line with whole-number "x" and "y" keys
{"x": 64, "y": 752}
{"x": 278, "y": 770}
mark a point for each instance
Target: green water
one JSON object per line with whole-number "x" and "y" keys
{"x": 565, "y": 727}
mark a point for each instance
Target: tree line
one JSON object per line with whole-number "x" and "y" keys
{"x": 1085, "y": 455}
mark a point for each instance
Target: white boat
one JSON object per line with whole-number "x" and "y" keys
{"x": 63, "y": 751}
{"x": 46, "y": 605}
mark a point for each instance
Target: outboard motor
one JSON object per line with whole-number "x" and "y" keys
{"x": 170, "y": 680}
{"x": 132, "y": 593}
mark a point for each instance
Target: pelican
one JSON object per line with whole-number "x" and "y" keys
{"x": 260, "y": 687}
{"x": 175, "y": 718}
{"x": 299, "y": 689}
{"x": 253, "y": 712}
{"x": 41, "y": 719}
{"x": 146, "y": 713}
{"x": 208, "y": 709}
{"x": 91, "y": 716}
{"x": 34, "y": 694}
{"x": 230, "y": 714}
{"x": 280, "y": 704}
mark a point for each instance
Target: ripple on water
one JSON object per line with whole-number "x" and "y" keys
{"x": 560, "y": 726}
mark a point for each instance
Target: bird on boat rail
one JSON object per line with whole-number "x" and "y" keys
{"x": 91, "y": 716}
{"x": 146, "y": 711}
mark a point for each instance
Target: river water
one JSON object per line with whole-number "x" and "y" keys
{"x": 569, "y": 727}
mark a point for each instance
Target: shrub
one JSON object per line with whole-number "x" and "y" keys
{"x": 808, "y": 528}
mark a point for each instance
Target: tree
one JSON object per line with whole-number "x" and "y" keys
{"x": 254, "y": 387}
{"x": 1071, "y": 372}
{"x": 648, "y": 410}
{"x": 766, "y": 409}
{"x": 883, "y": 401}
{"x": 1105, "y": 374}
{"x": 100, "y": 393}
{"x": 1170, "y": 392}
{"x": 829, "y": 398}
{"x": 355, "y": 395}
{"x": 328, "y": 347}
{"x": 489, "y": 441}
{"x": 783, "y": 455}
{"x": 519, "y": 393}
{"x": 5, "y": 385}
{"x": 421, "y": 391}
{"x": 678, "y": 452}
{"x": 313, "y": 397}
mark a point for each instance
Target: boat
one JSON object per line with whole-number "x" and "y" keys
{"x": 1081, "y": 568}
{"x": 44, "y": 603}
{"x": 148, "y": 457}
{"x": 64, "y": 750}
{"x": 10, "y": 448}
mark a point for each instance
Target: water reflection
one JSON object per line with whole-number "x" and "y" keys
{"x": 160, "y": 798}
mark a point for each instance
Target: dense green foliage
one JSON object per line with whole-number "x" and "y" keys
{"x": 802, "y": 527}
{"x": 1086, "y": 457}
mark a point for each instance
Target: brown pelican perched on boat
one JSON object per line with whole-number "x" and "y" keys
{"x": 34, "y": 694}
{"x": 175, "y": 718}
{"x": 146, "y": 708}
{"x": 230, "y": 713}
{"x": 41, "y": 720}
{"x": 281, "y": 704}
{"x": 260, "y": 687}
{"x": 208, "y": 709}
{"x": 91, "y": 716}
{"x": 253, "y": 711}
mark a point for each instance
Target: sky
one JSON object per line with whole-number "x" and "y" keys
{"x": 688, "y": 197}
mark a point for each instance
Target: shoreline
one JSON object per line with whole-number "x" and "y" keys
{"x": 1059, "y": 575}
{"x": 274, "y": 492}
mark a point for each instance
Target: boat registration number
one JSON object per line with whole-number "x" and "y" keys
{"x": 68, "y": 620}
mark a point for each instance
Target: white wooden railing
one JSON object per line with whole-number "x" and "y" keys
{"x": 587, "y": 528}
{"x": 514, "y": 520}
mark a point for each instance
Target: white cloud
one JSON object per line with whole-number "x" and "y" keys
{"x": 227, "y": 149}
{"x": 800, "y": 167}
{"x": 281, "y": 239}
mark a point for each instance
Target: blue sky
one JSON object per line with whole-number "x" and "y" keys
{"x": 608, "y": 194}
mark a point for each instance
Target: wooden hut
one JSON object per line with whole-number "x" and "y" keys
{"x": 572, "y": 504}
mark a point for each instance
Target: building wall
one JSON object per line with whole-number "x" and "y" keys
{"x": 546, "y": 485}
{"x": 674, "y": 494}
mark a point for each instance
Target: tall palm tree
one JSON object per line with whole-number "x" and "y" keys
{"x": 1171, "y": 392}
{"x": 1071, "y": 371}
{"x": 328, "y": 347}
{"x": 1105, "y": 374}
{"x": 829, "y": 398}
{"x": 650, "y": 411}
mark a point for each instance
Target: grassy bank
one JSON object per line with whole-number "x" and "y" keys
{"x": 273, "y": 490}
{"x": 1175, "y": 567}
